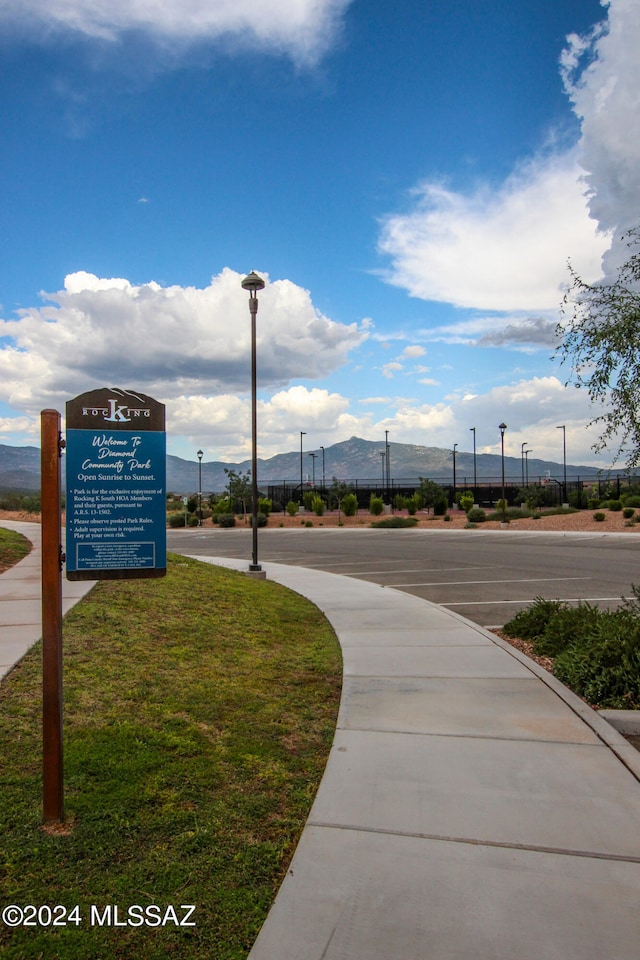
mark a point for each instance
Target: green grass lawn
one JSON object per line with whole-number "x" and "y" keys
{"x": 199, "y": 711}
{"x": 13, "y": 548}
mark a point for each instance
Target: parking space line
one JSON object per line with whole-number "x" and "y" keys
{"x": 488, "y": 603}
{"x": 466, "y": 583}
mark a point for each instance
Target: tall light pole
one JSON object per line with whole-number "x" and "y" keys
{"x": 502, "y": 427}
{"x": 324, "y": 482}
{"x": 526, "y": 463}
{"x": 454, "y": 473}
{"x": 387, "y": 458}
{"x": 199, "y": 456}
{"x": 313, "y": 462}
{"x": 564, "y": 459}
{"x": 475, "y": 473}
{"x": 522, "y": 446}
{"x": 303, "y": 433}
{"x": 382, "y": 457}
{"x": 253, "y": 283}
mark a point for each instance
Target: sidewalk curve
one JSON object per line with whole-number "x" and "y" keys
{"x": 21, "y": 598}
{"x": 472, "y": 808}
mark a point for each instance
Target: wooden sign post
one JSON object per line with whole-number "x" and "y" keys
{"x": 51, "y": 445}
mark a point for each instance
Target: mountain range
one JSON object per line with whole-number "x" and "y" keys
{"x": 353, "y": 459}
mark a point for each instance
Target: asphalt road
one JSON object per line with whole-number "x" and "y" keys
{"x": 485, "y": 576}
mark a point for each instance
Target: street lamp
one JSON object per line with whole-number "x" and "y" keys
{"x": 454, "y": 473}
{"x": 502, "y": 427}
{"x": 387, "y": 460}
{"x": 526, "y": 463}
{"x": 323, "y": 478}
{"x": 382, "y": 458}
{"x": 522, "y": 446}
{"x": 475, "y": 474}
{"x": 199, "y": 455}
{"x": 313, "y": 462}
{"x": 564, "y": 459}
{"x": 303, "y": 433}
{"x": 253, "y": 283}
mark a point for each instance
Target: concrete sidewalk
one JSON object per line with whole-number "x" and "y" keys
{"x": 472, "y": 808}
{"x": 21, "y": 599}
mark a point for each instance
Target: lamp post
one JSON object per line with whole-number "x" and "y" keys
{"x": 382, "y": 457}
{"x": 475, "y": 473}
{"x": 313, "y": 468}
{"x": 253, "y": 283}
{"x": 522, "y": 446}
{"x": 564, "y": 459}
{"x": 303, "y": 433}
{"x": 199, "y": 455}
{"x": 526, "y": 463}
{"x": 387, "y": 461}
{"x": 502, "y": 427}
{"x": 324, "y": 482}
{"x": 454, "y": 473}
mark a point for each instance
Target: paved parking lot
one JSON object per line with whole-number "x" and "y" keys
{"x": 485, "y": 576}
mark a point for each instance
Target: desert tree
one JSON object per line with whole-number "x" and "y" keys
{"x": 600, "y": 340}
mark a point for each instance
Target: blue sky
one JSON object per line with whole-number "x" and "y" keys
{"x": 410, "y": 179}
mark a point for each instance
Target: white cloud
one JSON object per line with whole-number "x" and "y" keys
{"x": 389, "y": 369}
{"x": 221, "y": 425}
{"x": 504, "y": 249}
{"x": 601, "y": 73}
{"x": 532, "y": 409}
{"x": 17, "y": 431}
{"x": 302, "y": 28}
{"x": 168, "y": 342}
{"x": 414, "y": 351}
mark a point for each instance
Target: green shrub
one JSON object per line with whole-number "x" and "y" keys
{"x": 440, "y": 507}
{"x": 628, "y": 512}
{"x": 223, "y": 506}
{"x": 599, "y": 516}
{"x": 604, "y": 667}
{"x": 476, "y": 515}
{"x": 309, "y": 523}
{"x": 307, "y": 499}
{"x": 262, "y": 519}
{"x": 192, "y": 520}
{"x": 511, "y": 513}
{"x": 632, "y": 500}
{"x": 593, "y": 503}
{"x": 292, "y": 508}
{"x": 376, "y": 505}
{"x": 447, "y": 516}
{"x": 318, "y": 505}
{"x": 615, "y": 505}
{"x": 596, "y": 652}
{"x": 350, "y": 505}
{"x": 226, "y": 520}
{"x": 412, "y": 505}
{"x": 265, "y": 506}
{"x": 389, "y": 522}
{"x": 466, "y": 501}
{"x": 400, "y": 502}
{"x": 578, "y": 499}
{"x": 531, "y": 623}
{"x": 566, "y": 627}
{"x": 176, "y": 519}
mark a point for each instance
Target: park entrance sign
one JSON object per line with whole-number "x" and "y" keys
{"x": 116, "y": 486}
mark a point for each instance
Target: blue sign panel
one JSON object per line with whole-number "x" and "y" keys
{"x": 116, "y": 490}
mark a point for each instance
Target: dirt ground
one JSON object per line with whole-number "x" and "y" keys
{"x": 583, "y": 521}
